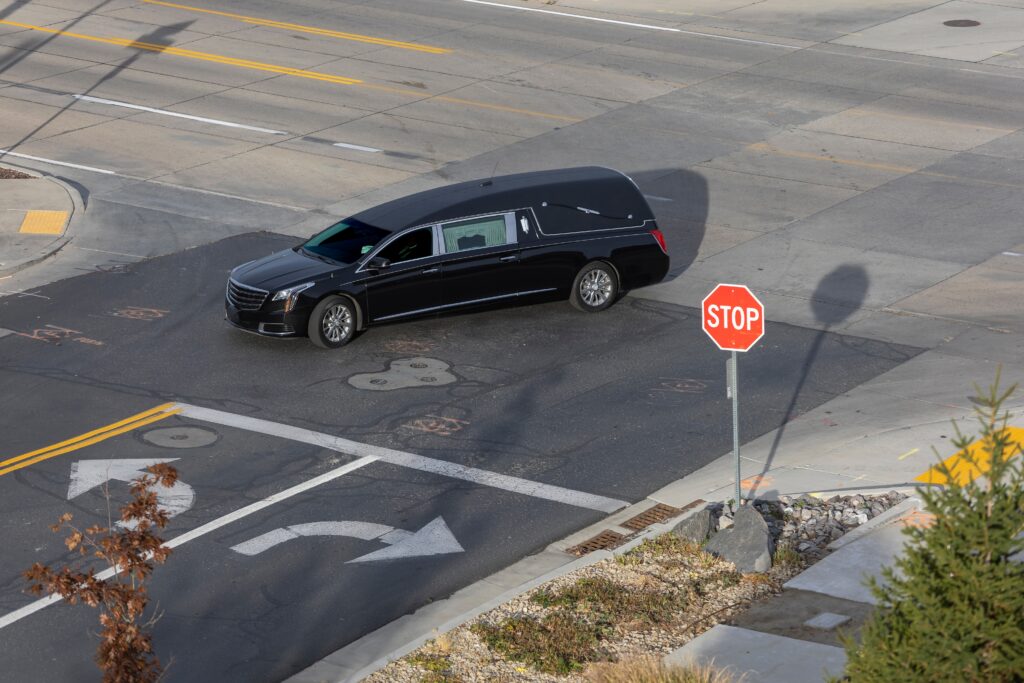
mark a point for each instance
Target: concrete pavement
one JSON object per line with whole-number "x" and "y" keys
{"x": 36, "y": 214}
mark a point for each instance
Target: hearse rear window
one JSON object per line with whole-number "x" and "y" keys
{"x": 475, "y": 233}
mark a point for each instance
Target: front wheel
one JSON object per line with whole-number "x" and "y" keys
{"x": 332, "y": 324}
{"x": 596, "y": 287}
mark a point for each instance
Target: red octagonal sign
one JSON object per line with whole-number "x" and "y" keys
{"x": 733, "y": 317}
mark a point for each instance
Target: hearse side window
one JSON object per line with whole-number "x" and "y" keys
{"x": 475, "y": 233}
{"x": 412, "y": 245}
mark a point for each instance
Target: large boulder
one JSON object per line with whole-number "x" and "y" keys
{"x": 747, "y": 544}
{"x": 696, "y": 527}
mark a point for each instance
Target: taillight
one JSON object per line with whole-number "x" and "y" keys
{"x": 661, "y": 239}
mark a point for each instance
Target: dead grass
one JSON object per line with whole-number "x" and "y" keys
{"x": 644, "y": 603}
{"x": 650, "y": 670}
{"x": 557, "y": 643}
{"x": 11, "y": 174}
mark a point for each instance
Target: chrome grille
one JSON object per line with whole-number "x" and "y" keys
{"x": 245, "y": 298}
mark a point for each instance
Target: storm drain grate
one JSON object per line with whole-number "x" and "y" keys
{"x": 658, "y": 513}
{"x": 606, "y": 540}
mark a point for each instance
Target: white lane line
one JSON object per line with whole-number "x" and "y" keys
{"x": 574, "y": 16}
{"x": 11, "y": 617}
{"x": 1012, "y": 253}
{"x": 629, "y": 23}
{"x": 359, "y": 148}
{"x": 418, "y": 462}
{"x": 164, "y": 112}
{"x": 8, "y": 153}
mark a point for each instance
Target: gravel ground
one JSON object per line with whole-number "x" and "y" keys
{"x": 11, "y": 174}
{"x": 802, "y": 528}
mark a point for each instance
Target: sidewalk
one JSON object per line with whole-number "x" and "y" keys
{"x": 35, "y": 216}
{"x": 794, "y": 637}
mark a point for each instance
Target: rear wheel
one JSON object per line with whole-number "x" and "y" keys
{"x": 596, "y": 287}
{"x": 332, "y": 324}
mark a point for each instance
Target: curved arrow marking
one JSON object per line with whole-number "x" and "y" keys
{"x": 433, "y": 539}
{"x": 88, "y": 474}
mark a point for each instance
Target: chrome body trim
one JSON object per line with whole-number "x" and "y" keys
{"x": 467, "y": 303}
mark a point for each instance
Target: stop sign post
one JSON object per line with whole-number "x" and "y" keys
{"x": 734, "y": 319}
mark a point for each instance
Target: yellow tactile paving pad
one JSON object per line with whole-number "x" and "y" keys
{"x": 971, "y": 463}
{"x": 44, "y": 222}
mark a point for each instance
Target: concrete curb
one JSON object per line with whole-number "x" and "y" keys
{"x": 327, "y": 671}
{"x": 76, "y": 209}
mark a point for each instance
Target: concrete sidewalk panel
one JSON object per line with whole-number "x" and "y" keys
{"x": 843, "y": 573}
{"x": 761, "y": 657}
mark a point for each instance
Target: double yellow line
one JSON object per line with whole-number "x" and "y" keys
{"x": 89, "y": 438}
{"x": 372, "y": 40}
{"x": 193, "y": 54}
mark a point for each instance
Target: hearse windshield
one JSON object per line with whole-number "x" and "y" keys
{"x": 346, "y": 241}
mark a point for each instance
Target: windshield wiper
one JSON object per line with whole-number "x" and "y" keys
{"x": 321, "y": 257}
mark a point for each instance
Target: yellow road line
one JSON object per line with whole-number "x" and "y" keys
{"x": 970, "y": 463}
{"x": 308, "y": 29}
{"x": 764, "y": 147}
{"x": 248, "y": 64}
{"x": 908, "y": 453}
{"x": 929, "y": 119}
{"x": 43, "y": 222}
{"x": 192, "y": 54}
{"x": 89, "y": 438}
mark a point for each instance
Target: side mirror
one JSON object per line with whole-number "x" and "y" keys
{"x": 378, "y": 263}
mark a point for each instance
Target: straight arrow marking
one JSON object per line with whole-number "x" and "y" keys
{"x": 88, "y": 474}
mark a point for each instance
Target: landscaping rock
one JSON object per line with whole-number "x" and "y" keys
{"x": 748, "y": 544}
{"x": 695, "y": 528}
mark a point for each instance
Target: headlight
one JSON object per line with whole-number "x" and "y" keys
{"x": 291, "y": 295}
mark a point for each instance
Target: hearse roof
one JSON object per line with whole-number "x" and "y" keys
{"x": 610, "y": 200}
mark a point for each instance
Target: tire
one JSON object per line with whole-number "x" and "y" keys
{"x": 595, "y": 288}
{"x": 332, "y": 324}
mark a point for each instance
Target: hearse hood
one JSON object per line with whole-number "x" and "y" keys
{"x": 283, "y": 269}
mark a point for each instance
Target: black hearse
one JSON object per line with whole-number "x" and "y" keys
{"x": 585, "y": 234}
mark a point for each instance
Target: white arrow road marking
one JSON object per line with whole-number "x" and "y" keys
{"x": 42, "y": 603}
{"x": 88, "y": 474}
{"x": 433, "y": 539}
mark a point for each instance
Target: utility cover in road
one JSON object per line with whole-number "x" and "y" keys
{"x": 733, "y": 317}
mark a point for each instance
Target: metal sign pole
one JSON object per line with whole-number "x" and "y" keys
{"x": 733, "y": 382}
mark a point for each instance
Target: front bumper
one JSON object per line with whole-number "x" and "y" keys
{"x": 269, "y": 323}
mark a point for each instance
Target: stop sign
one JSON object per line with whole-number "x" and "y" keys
{"x": 733, "y": 317}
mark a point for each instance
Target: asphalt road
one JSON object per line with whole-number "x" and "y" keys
{"x": 609, "y": 406}
{"x": 847, "y": 176}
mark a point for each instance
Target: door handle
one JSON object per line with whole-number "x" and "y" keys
{"x": 508, "y": 259}
{"x": 431, "y": 271}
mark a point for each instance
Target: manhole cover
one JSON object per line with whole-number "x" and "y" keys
{"x": 404, "y": 373}
{"x": 961, "y": 23}
{"x": 180, "y": 437}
